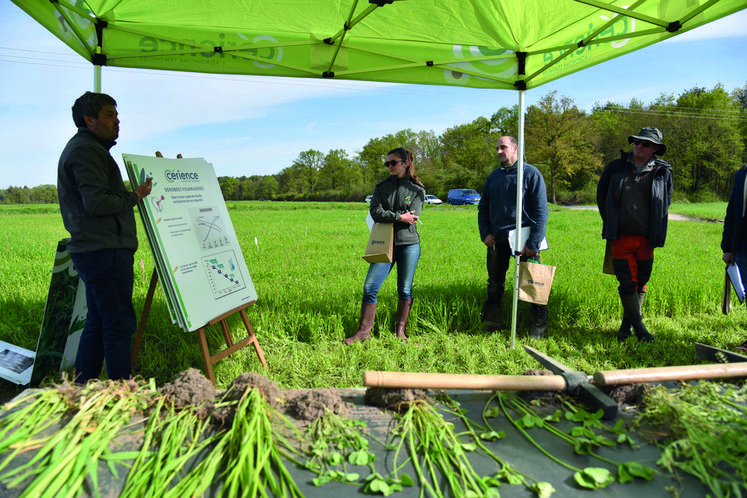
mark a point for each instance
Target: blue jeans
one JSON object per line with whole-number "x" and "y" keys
{"x": 406, "y": 258}
{"x": 111, "y": 320}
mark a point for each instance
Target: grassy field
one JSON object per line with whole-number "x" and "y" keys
{"x": 305, "y": 263}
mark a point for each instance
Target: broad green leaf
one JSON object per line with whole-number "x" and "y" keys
{"x": 493, "y": 412}
{"x": 635, "y": 469}
{"x": 492, "y": 435}
{"x": 594, "y": 478}
{"x": 406, "y": 480}
{"x": 543, "y": 489}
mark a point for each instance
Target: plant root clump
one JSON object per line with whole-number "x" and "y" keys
{"x": 243, "y": 382}
{"x": 224, "y": 414}
{"x": 310, "y": 405}
{"x": 397, "y": 400}
{"x": 629, "y": 395}
{"x": 191, "y": 388}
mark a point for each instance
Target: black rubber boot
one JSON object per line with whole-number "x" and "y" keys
{"x": 403, "y": 313}
{"x": 492, "y": 311}
{"x": 539, "y": 322}
{"x": 632, "y": 308}
{"x": 368, "y": 313}
{"x": 624, "y": 331}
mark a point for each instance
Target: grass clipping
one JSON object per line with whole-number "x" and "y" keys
{"x": 702, "y": 430}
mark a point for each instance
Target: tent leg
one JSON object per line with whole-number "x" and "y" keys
{"x": 519, "y": 210}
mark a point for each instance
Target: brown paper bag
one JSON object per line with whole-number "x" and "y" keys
{"x": 726, "y": 296}
{"x": 535, "y": 282}
{"x": 380, "y": 243}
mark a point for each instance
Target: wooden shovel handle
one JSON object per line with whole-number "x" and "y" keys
{"x": 415, "y": 380}
{"x": 662, "y": 374}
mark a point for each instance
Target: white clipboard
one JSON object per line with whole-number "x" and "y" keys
{"x": 736, "y": 280}
{"x": 524, "y": 236}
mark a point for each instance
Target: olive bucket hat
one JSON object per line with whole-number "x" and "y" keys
{"x": 652, "y": 135}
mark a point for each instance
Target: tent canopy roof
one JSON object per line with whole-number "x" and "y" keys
{"x": 509, "y": 44}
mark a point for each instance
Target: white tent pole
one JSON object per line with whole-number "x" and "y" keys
{"x": 97, "y": 79}
{"x": 97, "y": 73}
{"x": 519, "y": 211}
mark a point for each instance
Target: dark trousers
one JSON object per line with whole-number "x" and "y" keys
{"x": 111, "y": 321}
{"x": 498, "y": 260}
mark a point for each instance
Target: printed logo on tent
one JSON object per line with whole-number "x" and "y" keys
{"x": 623, "y": 26}
{"x": 501, "y": 67}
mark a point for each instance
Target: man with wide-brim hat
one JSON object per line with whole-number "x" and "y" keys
{"x": 652, "y": 135}
{"x": 633, "y": 196}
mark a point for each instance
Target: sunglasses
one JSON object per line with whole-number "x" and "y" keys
{"x": 643, "y": 143}
{"x": 393, "y": 162}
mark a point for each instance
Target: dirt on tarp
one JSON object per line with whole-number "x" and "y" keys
{"x": 191, "y": 388}
{"x": 310, "y": 405}
{"x": 629, "y": 395}
{"x": 397, "y": 400}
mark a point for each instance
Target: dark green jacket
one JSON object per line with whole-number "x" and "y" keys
{"x": 395, "y": 196}
{"x": 95, "y": 205}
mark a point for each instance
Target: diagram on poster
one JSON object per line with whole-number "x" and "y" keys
{"x": 223, "y": 273}
{"x": 198, "y": 256}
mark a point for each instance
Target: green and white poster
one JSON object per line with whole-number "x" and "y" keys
{"x": 198, "y": 256}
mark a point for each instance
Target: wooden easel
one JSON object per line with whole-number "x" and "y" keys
{"x": 206, "y": 357}
{"x": 201, "y": 337}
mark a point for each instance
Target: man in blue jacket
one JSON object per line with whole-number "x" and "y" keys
{"x": 633, "y": 197}
{"x": 496, "y": 215}
{"x": 97, "y": 210}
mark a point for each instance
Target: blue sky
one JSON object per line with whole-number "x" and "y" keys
{"x": 249, "y": 125}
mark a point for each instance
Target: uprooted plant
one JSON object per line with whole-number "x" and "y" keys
{"x": 703, "y": 432}
{"x": 584, "y": 438}
{"x": 70, "y": 429}
{"x": 440, "y": 455}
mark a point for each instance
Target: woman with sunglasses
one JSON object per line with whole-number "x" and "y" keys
{"x": 398, "y": 199}
{"x": 633, "y": 196}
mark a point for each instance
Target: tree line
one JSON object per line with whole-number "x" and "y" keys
{"x": 705, "y": 131}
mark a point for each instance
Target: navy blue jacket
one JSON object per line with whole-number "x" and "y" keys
{"x": 608, "y": 198}
{"x": 496, "y": 212}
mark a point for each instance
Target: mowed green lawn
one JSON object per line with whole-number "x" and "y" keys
{"x": 305, "y": 262}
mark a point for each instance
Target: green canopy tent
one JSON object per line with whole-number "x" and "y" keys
{"x": 491, "y": 44}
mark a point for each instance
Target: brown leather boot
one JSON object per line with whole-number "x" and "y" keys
{"x": 368, "y": 312}
{"x": 403, "y": 313}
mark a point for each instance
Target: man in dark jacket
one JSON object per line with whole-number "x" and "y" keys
{"x": 97, "y": 210}
{"x": 734, "y": 238}
{"x": 496, "y": 215}
{"x": 633, "y": 196}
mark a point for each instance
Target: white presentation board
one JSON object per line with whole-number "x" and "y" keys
{"x": 198, "y": 256}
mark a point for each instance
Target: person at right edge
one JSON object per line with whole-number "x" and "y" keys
{"x": 633, "y": 197}
{"x": 734, "y": 238}
{"x": 496, "y": 215}
{"x": 399, "y": 200}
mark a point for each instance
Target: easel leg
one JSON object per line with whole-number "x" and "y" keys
{"x": 144, "y": 316}
{"x": 253, "y": 340}
{"x": 206, "y": 355}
